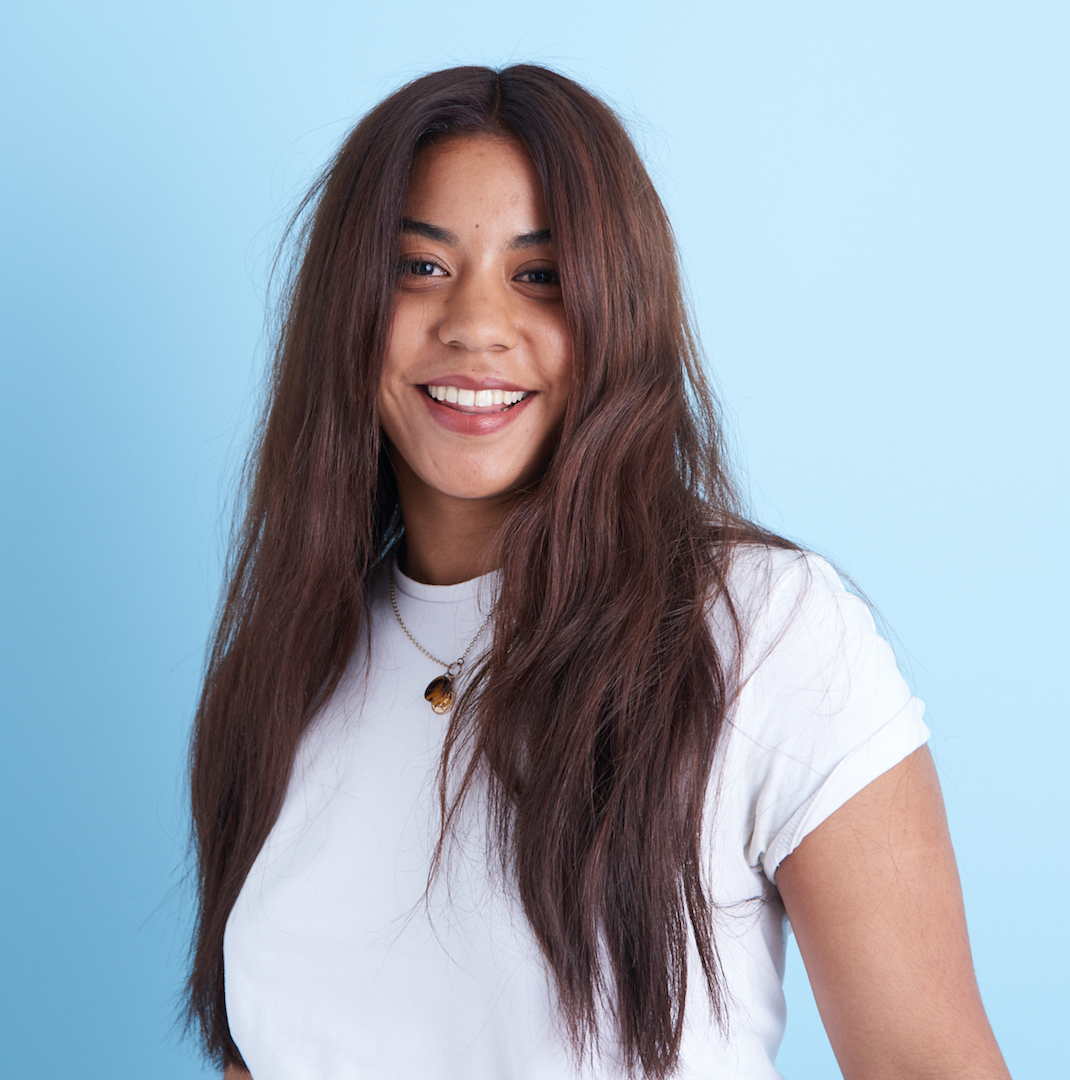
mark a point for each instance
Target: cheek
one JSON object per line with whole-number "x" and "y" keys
{"x": 398, "y": 431}
{"x": 388, "y": 405}
{"x": 551, "y": 348}
{"x": 410, "y": 325}
{"x": 401, "y": 348}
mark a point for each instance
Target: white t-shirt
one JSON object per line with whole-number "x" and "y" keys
{"x": 336, "y": 966}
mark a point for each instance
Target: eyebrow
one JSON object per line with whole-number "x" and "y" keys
{"x": 429, "y": 232}
{"x": 531, "y": 239}
{"x": 538, "y": 238}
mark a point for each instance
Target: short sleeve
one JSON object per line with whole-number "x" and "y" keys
{"x": 822, "y": 709}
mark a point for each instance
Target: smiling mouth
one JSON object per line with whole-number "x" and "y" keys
{"x": 476, "y": 401}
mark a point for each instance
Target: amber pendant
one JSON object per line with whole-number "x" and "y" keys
{"x": 440, "y": 693}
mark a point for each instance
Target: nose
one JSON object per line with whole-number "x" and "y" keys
{"x": 479, "y": 316}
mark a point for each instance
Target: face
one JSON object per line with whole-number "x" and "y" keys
{"x": 475, "y": 379}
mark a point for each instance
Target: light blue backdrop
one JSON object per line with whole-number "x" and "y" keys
{"x": 871, "y": 201}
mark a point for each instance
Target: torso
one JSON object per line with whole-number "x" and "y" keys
{"x": 337, "y": 964}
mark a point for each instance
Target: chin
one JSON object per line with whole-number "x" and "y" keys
{"x": 492, "y": 484}
{"x": 488, "y": 490}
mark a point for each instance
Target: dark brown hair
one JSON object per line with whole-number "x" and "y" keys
{"x": 592, "y": 722}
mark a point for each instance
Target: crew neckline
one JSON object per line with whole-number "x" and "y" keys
{"x": 484, "y": 585}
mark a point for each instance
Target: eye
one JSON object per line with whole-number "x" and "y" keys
{"x": 544, "y": 276}
{"x": 417, "y": 267}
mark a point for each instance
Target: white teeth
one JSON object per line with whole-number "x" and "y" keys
{"x": 479, "y": 399}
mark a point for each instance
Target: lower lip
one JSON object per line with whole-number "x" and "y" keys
{"x": 461, "y": 423}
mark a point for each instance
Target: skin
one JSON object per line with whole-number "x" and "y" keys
{"x": 874, "y": 900}
{"x": 873, "y": 892}
{"x": 478, "y": 305}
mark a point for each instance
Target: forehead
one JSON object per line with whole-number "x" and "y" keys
{"x": 469, "y": 178}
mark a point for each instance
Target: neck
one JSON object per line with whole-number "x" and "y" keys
{"x": 448, "y": 540}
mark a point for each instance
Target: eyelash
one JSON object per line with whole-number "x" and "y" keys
{"x": 408, "y": 266}
{"x": 553, "y": 275}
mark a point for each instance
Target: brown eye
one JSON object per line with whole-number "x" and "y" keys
{"x": 418, "y": 267}
{"x": 541, "y": 276}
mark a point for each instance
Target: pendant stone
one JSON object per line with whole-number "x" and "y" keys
{"x": 440, "y": 693}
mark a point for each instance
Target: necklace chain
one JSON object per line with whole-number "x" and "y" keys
{"x": 459, "y": 662}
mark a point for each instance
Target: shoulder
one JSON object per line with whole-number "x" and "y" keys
{"x": 761, "y": 576}
{"x": 820, "y": 707}
{"x": 781, "y": 597}
{"x": 800, "y": 632}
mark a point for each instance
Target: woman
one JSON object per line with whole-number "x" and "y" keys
{"x": 490, "y": 468}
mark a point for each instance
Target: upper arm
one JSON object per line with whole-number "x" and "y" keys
{"x": 874, "y": 900}
{"x": 233, "y": 1072}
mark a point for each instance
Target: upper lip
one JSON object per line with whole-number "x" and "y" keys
{"x": 469, "y": 382}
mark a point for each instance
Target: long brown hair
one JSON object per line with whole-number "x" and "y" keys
{"x": 592, "y": 722}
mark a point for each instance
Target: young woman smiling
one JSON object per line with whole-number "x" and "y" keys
{"x": 478, "y": 309}
{"x": 517, "y": 739}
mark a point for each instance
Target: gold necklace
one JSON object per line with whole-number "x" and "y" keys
{"x": 439, "y": 691}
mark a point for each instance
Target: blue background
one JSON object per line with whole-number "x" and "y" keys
{"x": 871, "y": 201}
